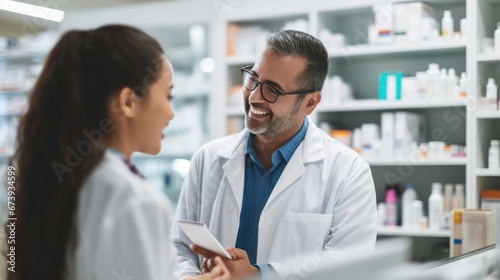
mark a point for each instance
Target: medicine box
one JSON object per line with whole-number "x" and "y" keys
{"x": 390, "y": 85}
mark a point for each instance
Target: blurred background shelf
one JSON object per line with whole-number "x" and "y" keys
{"x": 375, "y": 104}
{"x": 420, "y": 162}
{"x": 398, "y": 231}
{"x": 485, "y": 172}
{"x": 380, "y": 51}
{"x": 488, "y": 115}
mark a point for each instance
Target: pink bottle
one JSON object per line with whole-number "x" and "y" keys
{"x": 391, "y": 204}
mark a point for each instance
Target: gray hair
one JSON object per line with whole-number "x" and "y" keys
{"x": 300, "y": 44}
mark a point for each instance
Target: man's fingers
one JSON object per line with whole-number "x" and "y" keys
{"x": 236, "y": 253}
{"x": 204, "y": 267}
{"x": 210, "y": 264}
{"x": 202, "y": 251}
{"x": 219, "y": 263}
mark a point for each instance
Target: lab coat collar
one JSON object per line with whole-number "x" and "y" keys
{"x": 312, "y": 149}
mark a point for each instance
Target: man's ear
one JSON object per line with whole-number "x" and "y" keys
{"x": 127, "y": 102}
{"x": 312, "y": 100}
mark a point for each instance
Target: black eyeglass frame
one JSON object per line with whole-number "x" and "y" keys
{"x": 246, "y": 69}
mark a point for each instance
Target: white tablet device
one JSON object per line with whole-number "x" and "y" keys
{"x": 201, "y": 236}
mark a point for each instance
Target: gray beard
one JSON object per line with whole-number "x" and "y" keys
{"x": 275, "y": 126}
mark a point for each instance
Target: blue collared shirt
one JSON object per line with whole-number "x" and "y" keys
{"x": 259, "y": 184}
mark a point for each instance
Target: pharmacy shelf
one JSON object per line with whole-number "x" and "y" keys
{"x": 420, "y": 162}
{"x": 190, "y": 93}
{"x": 376, "y": 104}
{"x": 377, "y": 50}
{"x": 398, "y": 231}
{"x": 485, "y": 172}
{"x": 14, "y": 92}
{"x": 141, "y": 156}
{"x": 488, "y": 114}
{"x": 19, "y": 56}
{"x": 488, "y": 57}
{"x": 235, "y": 111}
{"x": 11, "y": 115}
{"x": 4, "y": 158}
{"x": 241, "y": 60}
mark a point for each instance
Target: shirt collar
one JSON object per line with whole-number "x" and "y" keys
{"x": 287, "y": 149}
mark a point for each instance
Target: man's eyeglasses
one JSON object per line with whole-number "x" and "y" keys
{"x": 269, "y": 92}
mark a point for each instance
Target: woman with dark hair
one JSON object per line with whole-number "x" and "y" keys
{"x": 81, "y": 211}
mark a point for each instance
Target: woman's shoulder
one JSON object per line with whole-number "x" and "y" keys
{"x": 113, "y": 181}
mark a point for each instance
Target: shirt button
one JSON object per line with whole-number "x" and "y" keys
{"x": 230, "y": 208}
{"x": 272, "y": 212}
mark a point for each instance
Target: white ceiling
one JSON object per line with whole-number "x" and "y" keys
{"x": 13, "y": 24}
{"x": 72, "y": 5}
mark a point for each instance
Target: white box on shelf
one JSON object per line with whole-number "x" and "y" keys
{"x": 407, "y": 129}
{"x": 490, "y": 199}
{"x": 383, "y": 23}
{"x": 408, "y": 19}
{"x": 388, "y": 134}
{"x": 478, "y": 229}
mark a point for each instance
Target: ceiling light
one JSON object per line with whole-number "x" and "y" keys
{"x": 32, "y": 10}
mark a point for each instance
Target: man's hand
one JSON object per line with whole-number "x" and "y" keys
{"x": 219, "y": 272}
{"x": 239, "y": 266}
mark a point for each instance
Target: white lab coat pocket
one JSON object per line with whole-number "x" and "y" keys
{"x": 305, "y": 233}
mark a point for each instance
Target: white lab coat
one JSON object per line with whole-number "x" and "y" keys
{"x": 122, "y": 227}
{"x": 324, "y": 200}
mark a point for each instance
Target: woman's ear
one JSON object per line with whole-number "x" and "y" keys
{"x": 126, "y": 102}
{"x": 313, "y": 100}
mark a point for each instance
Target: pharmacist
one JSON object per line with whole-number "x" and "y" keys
{"x": 281, "y": 187}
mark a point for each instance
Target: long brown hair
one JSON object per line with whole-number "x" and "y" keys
{"x": 54, "y": 154}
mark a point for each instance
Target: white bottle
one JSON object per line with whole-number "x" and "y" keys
{"x": 494, "y": 155}
{"x": 463, "y": 85}
{"x": 491, "y": 93}
{"x": 435, "y": 206}
{"x": 409, "y": 195}
{"x": 463, "y": 28}
{"x": 458, "y": 197}
{"x": 448, "y": 198}
{"x": 432, "y": 81}
{"x": 497, "y": 39}
{"x": 447, "y": 205}
{"x": 443, "y": 83}
{"x": 447, "y": 25}
{"x": 452, "y": 83}
{"x": 416, "y": 214}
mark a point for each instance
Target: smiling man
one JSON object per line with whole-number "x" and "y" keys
{"x": 281, "y": 188}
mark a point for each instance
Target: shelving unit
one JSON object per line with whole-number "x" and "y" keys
{"x": 398, "y": 231}
{"x": 362, "y": 62}
{"x": 391, "y": 50}
{"x": 485, "y": 172}
{"x": 189, "y": 40}
{"x": 488, "y": 58}
{"x": 236, "y": 111}
{"x": 488, "y": 115}
{"x": 419, "y": 162}
{"x": 14, "y": 94}
{"x": 241, "y": 60}
{"x": 485, "y": 123}
{"x": 375, "y": 105}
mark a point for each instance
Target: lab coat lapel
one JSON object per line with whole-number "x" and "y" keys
{"x": 234, "y": 168}
{"x": 293, "y": 170}
{"x": 310, "y": 150}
